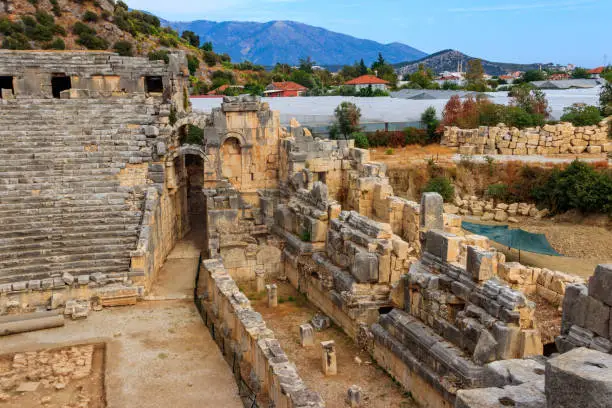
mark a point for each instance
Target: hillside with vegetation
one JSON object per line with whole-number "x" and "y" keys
{"x": 449, "y": 60}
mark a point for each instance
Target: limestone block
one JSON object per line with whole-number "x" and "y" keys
{"x": 531, "y": 344}
{"x": 600, "y": 285}
{"x": 501, "y": 216}
{"x": 307, "y": 336}
{"x": 594, "y": 149}
{"x": 328, "y": 358}
{"x": 508, "y": 338}
{"x": 365, "y": 267}
{"x": 597, "y": 317}
{"x": 68, "y": 278}
{"x": 431, "y": 211}
{"x": 481, "y": 264}
{"x": 575, "y": 307}
{"x": 579, "y": 378}
{"x": 489, "y": 216}
{"x": 354, "y": 396}
{"x": 485, "y": 348}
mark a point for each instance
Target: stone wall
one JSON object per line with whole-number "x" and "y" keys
{"x": 91, "y": 74}
{"x": 242, "y": 141}
{"x": 256, "y": 356}
{"x": 587, "y": 312}
{"x": 548, "y": 139}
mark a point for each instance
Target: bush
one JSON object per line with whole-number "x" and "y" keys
{"x": 581, "y": 115}
{"x": 45, "y": 19}
{"x": 193, "y": 63}
{"x": 92, "y": 42}
{"x": 16, "y": 41}
{"x": 414, "y": 135}
{"x": 57, "y": 44}
{"x": 441, "y": 185}
{"x": 159, "y": 55}
{"x": 498, "y": 192}
{"x": 580, "y": 187}
{"x": 361, "y": 140}
{"x": 90, "y": 16}
{"x": 124, "y": 48}
{"x": 389, "y": 152}
{"x": 195, "y": 135}
{"x": 167, "y": 41}
{"x": 82, "y": 28}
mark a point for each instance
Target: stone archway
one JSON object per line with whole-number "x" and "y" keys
{"x": 231, "y": 161}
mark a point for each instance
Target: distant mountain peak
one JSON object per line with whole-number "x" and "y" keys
{"x": 288, "y": 41}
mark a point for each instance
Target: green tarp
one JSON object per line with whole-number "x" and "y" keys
{"x": 513, "y": 238}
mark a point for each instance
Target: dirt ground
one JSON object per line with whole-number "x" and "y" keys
{"x": 71, "y": 377}
{"x": 354, "y": 365}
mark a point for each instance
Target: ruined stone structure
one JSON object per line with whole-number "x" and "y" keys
{"x": 548, "y": 139}
{"x": 99, "y": 182}
{"x": 82, "y": 134}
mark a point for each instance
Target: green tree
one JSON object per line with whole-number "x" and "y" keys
{"x": 533, "y": 75}
{"x": 348, "y": 117}
{"x": 431, "y": 122}
{"x": 207, "y": 46}
{"x": 475, "y": 76}
{"x": 192, "y": 38}
{"x": 581, "y": 73}
{"x": 581, "y": 115}
{"x": 306, "y": 65}
{"x": 423, "y": 77}
{"x": 193, "y": 63}
{"x": 363, "y": 69}
{"x": 605, "y": 99}
{"x": 303, "y": 78}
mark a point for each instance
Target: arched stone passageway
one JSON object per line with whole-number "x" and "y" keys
{"x": 231, "y": 161}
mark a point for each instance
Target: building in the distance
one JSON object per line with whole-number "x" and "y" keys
{"x": 366, "y": 81}
{"x": 596, "y": 72}
{"x": 284, "y": 89}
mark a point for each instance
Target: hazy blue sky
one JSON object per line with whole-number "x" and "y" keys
{"x": 563, "y": 31}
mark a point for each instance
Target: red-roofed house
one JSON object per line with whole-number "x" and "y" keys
{"x": 596, "y": 72}
{"x": 365, "y": 81}
{"x": 284, "y": 89}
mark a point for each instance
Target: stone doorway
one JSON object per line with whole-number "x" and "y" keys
{"x": 231, "y": 161}
{"x": 194, "y": 172}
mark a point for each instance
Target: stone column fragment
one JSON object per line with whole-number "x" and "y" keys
{"x": 260, "y": 279}
{"x": 272, "y": 295}
{"x": 307, "y": 336}
{"x": 328, "y": 357}
{"x": 354, "y": 396}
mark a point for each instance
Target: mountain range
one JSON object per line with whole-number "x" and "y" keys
{"x": 289, "y": 41}
{"x": 449, "y": 60}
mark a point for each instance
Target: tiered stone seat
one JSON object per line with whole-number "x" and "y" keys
{"x": 62, "y": 208}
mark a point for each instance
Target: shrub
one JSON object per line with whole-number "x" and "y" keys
{"x": 195, "y": 135}
{"x": 90, "y": 16}
{"x": 192, "y": 38}
{"x": 389, "y": 152}
{"x": 414, "y": 135}
{"x": 105, "y": 15}
{"x": 210, "y": 58}
{"x": 124, "y": 48}
{"x": 45, "y": 19}
{"x": 378, "y": 138}
{"x": 498, "y": 192}
{"x": 580, "y": 187}
{"x": 581, "y": 115}
{"x": 57, "y": 44}
{"x": 441, "y": 185}
{"x": 159, "y": 55}
{"x": 361, "y": 140}
{"x": 92, "y": 42}
{"x": 82, "y": 28}
{"x": 172, "y": 118}
{"x": 16, "y": 41}
{"x": 193, "y": 63}
{"x": 168, "y": 41}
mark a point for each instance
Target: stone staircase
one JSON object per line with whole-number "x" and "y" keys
{"x": 62, "y": 208}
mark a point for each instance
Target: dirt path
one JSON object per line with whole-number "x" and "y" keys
{"x": 379, "y": 390}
